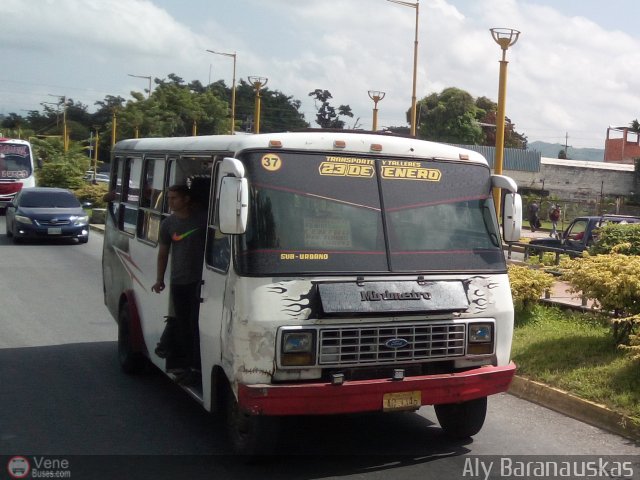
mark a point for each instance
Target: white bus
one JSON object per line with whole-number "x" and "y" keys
{"x": 343, "y": 273}
{"x": 16, "y": 168}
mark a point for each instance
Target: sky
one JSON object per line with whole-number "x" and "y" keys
{"x": 573, "y": 72}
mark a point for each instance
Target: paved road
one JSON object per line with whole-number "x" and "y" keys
{"x": 61, "y": 393}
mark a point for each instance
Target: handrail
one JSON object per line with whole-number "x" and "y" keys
{"x": 541, "y": 249}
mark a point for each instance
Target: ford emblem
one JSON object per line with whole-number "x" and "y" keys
{"x": 396, "y": 343}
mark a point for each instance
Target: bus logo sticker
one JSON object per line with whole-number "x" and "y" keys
{"x": 271, "y": 162}
{"x": 347, "y": 167}
{"x": 411, "y": 173}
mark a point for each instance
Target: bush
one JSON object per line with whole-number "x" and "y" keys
{"x": 527, "y": 285}
{"x": 94, "y": 194}
{"x": 613, "y": 282}
{"x": 618, "y": 238}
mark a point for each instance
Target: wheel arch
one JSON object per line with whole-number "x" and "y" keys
{"x": 135, "y": 327}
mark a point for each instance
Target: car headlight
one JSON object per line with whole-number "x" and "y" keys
{"x": 23, "y": 219}
{"x": 480, "y": 340}
{"x": 84, "y": 219}
{"x": 298, "y": 348}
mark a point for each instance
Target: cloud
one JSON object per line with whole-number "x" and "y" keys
{"x": 565, "y": 74}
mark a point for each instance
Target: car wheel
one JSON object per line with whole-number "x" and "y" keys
{"x": 131, "y": 362}
{"x": 250, "y": 435}
{"x": 462, "y": 420}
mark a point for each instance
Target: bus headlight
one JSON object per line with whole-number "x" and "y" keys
{"x": 298, "y": 348}
{"x": 480, "y": 340}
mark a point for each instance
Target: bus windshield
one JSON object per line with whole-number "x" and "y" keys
{"x": 318, "y": 213}
{"x": 15, "y": 161}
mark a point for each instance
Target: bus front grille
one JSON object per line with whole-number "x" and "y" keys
{"x": 389, "y": 344}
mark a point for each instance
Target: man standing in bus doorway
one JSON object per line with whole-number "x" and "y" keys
{"x": 183, "y": 235}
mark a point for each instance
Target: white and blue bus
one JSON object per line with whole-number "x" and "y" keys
{"x": 343, "y": 273}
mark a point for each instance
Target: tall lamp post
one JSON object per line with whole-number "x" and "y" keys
{"x": 233, "y": 88}
{"x": 505, "y": 37}
{"x": 376, "y": 96}
{"x": 258, "y": 83}
{"x": 146, "y": 77}
{"x": 415, "y": 5}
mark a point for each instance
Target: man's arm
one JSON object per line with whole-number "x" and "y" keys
{"x": 163, "y": 260}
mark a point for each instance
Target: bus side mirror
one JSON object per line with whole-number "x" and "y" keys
{"x": 233, "y": 206}
{"x": 512, "y": 217}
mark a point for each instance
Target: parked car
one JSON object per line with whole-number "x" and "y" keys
{"x": 43, "y": 212}
{"x": 581, "y": 233}
{"x": 89, "y": 176}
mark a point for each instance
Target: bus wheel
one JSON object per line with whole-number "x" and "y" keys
{"x": 250, "y": 435}
{"x": 462, "y": 420}
{"x": 130, "y": 362}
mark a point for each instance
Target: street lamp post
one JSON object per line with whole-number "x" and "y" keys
{"x": 376, "y": 96}
{"x": 233, "y": 88}
{"x": 146, "y": 77}
{"x": 505, "y": 37}
{"x": 258, "y": 83}
{"x": 415, "y": 5}
{"x": 114, "y": 126}
{"x": 95, "y": 152}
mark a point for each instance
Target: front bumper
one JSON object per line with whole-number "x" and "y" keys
{"x": 367, "y": 395}
{"x": 34, "y": 231}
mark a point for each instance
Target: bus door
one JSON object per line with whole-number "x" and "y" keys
{"x": 151, "y": 193}
{"x": 215, "y": 275}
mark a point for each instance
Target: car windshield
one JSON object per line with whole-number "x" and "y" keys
{"x": 48, "y": 200}
{"x": 15, "y": 160}
{"x": 317, "y": 213}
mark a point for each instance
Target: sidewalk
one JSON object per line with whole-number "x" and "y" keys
{"x": 559, "y": 294}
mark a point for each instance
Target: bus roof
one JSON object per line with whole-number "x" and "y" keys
{"x": 339, "y": 142}
{"x": 14, "y": 140}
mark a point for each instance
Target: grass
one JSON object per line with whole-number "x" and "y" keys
{"x": 576, "y": 353}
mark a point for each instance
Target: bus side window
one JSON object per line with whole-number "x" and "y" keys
{"x": 218, "y": 252}
{"x": 149, "y": 215}
{"x": 130, "y": 195}
{"x": 218, "y": 249}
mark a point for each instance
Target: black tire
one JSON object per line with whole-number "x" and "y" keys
{"x": 251, "y": 436}
{"x": 131, "y": 362}
{"x": 9, "y": 232}
{"x": 83, "y": 239}
{"x": 462, "y": 420}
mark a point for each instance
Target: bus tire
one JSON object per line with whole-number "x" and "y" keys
{"x": 462, "y": 420}
{"x": 131, "y": 362}
{"x": 250, "y": 435}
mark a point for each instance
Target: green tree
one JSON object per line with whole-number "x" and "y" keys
{"x": 60, "y": 169}
{"x": 454, "y": 116}
{"x": 327, "y": 116}
{"x": 450, "y": 116}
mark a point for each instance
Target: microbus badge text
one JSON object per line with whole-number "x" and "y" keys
{"x": 510, "y": 468}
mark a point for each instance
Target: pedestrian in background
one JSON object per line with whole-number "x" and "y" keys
{"x": 554, "y": 216}
{"x": 534, "y": 219}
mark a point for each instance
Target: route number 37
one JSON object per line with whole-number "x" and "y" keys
{"x": 271, "y": 162}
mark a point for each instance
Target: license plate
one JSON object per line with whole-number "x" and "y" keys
{"x": 401, "y": 401}
{"x": 54, "y": 231}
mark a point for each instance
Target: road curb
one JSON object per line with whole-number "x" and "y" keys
{"x": 575, "y": 407}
